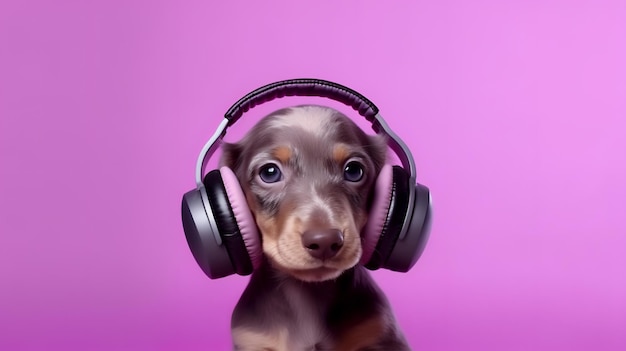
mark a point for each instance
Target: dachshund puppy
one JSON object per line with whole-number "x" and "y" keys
{"x": 308, "y": 174}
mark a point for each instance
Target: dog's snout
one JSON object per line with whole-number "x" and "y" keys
{"x": 322, "y": 243}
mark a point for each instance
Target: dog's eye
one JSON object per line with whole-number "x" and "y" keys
{"x": 353, "y": 171}
{"x": 270, "y": 173}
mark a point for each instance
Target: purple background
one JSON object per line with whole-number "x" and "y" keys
{"x": 515, "y": 112}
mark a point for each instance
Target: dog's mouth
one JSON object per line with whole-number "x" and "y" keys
{"x": 318, "y": 274}
{"x": 315, "y": 272}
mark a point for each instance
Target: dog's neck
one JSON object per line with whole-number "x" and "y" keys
{"x": 353, "y": 294}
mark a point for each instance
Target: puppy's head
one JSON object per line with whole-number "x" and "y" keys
{"x": 307, "y": 173}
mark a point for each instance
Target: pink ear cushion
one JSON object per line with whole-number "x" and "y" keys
{"x": 378, "y": 212}
{"x": 243, "y": 216}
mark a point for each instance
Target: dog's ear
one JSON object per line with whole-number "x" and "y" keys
{"x": 231, "y": 155}
{"x": 377, "y": 149}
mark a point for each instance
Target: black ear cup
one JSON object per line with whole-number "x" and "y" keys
{"x": 410, "y": 247}
{"x": 226, "y": 223}
{"x": 202, "y": 235}
{"x": 392, "y": 226}
{"x": 393, "y": 251}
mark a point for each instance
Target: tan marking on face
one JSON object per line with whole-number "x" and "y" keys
{"x": 268, "y": 227}
{"x": 360, "y": 219}
{"x": 367, "y": 333}
{"x": 246, "y": 339}
{"x": 340, "y": 153}
{"x": 282, "y": 153}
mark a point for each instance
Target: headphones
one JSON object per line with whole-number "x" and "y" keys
{"x": 221, "y": 231}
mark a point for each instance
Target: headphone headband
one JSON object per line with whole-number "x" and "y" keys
{"x": 303, "y": 87}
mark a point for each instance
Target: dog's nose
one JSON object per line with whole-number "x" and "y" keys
{"x": 322, "y": 243}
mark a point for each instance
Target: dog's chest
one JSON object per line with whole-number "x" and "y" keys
{"x": 308, "y": 327}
